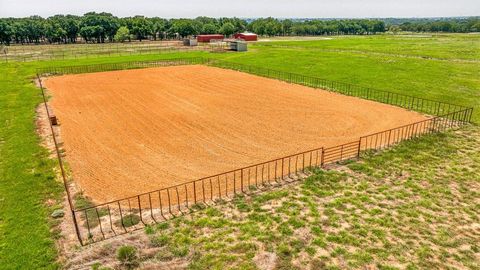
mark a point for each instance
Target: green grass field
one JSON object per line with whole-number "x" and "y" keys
{"x": 436, "y": 46}
{"x": 409, "y": 207}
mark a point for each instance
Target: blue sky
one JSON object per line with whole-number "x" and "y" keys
{"x": 246, "y": 8}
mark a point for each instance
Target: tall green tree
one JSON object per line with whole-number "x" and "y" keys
{"x": 34, "y": 29}
{"x": 160, "y": 27}
{"x": 92, "y": 33}
{"x": 184, "y": 27}
{"x": 227, "y": 29}
{"x": 122, "y": 34}
{"x": 286, "y": 27}
{"x": 104, "y": 25}
{"x": 209, "y": 28}
{"x": 54, "y": 31}
{"x": 70, "y": 24}
{"x": 141, "y": 27}
{"x": 6, "y": 32}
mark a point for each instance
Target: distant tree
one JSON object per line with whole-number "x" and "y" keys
{"x": 19, "y": 31}
{"x": 227, "y": 29}
{"x": 298, "y": 30}
{"x": 71, "y": 24}
{"x": 141, "y": 27}
{"x": 160, "y": 27}
{"x": 56, "y": 29}
{"x": 104, "y": 25}
{"x": 394, "y": 29}
{"x": 54, "y": 32}
{"x": 258, "y": 28}
{"x": 6, "y": 32}
{"x": 206, "y": 20}
{"x": 475, "y": 27}
{"x": 272, "y": 28}
{"x": 268, "y": 26}
{"x": 122, "y": 34}
{"x": 286, "y": 27}
{"x": 34, "y": 29}
{"x": 92, "y": 33}
{"x": 239, "y": 24}
{"x": 184, "y": 27}
{"x": 209, "y": 28}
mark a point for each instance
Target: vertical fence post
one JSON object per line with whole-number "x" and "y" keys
{"x": 282, "y": 169}
{"x": 322, "y": 158}
{"x": 140, "y": 209}
{"x": 194, "y": 192}
{"x": 235, "y": 182}
{"x": 241, "y": 179}
{"x": 359, "y": 147}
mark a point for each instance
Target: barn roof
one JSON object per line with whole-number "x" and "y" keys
{"x": 247, "y": 34}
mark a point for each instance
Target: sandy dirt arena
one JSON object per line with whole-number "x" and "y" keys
{"x": 133, "y": 131}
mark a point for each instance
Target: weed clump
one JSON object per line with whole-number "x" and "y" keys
{"x": 128, "y": 257}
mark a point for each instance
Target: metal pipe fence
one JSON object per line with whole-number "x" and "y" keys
{"x": 120, "y": 66}
{"x": 57, "y": 53}
{"x": 86, "y": 46}
{"x": 387, "y": 138}
{"x": 103, "y": 221}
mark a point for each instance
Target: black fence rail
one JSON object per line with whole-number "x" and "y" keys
{"x": 58, "y": 53}
{"x": 120, "y": 66}
{"x": 341, "y": 152}
{"x": 86, "y": 47}
{"x": 121, "y": 216}
{"x": 387, "y": 138}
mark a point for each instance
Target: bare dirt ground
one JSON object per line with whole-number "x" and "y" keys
{"x": 128, "y": 132}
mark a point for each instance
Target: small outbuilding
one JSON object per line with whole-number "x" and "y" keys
{"x": 190, "y": 42}
{"x": 246, "y": 36}
{"x": 238, "y": 46}
{"x": 207, "y": 38}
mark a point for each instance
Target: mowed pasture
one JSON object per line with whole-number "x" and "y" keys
{"x": 135, "y": 131}
{"x": 427, "y": 46}
{"x": 412, "y": 207}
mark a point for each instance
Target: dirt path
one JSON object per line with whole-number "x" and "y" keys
{"x": 128, "y": 132}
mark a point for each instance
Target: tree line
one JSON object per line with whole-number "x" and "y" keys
{"x": 102, "y": 27}
{"x": 447, "y": 25}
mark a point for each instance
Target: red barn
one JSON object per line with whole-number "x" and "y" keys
{"x": 246, "y": 36}
{"x": 207, "y": 38}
